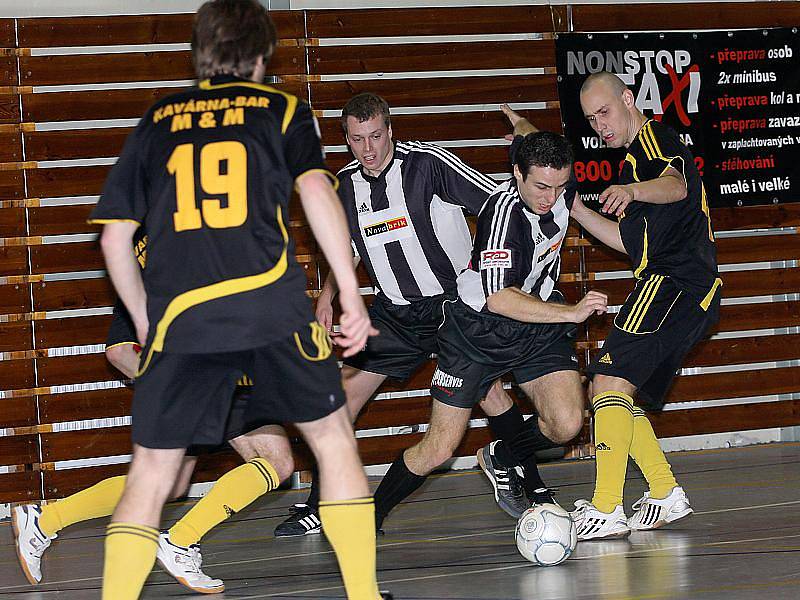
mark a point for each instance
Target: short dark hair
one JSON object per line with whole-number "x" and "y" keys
{"x": 363, "y": 107}
{"x": 228, "y": 37}
{"x": 543, "y": 149}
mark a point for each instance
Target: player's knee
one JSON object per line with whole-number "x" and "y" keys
{"x": 566, "y": 426}
{"x": 283, "y": 465}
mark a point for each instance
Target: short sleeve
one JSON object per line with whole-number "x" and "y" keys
{"x": 303, "y": 146}
{"x": 662, "y": 149}
{"x": 122, "y": 330}
{"x": 456, "y": 182}
{"x": 124, "y": 196}
{"x": 497, "y": 255}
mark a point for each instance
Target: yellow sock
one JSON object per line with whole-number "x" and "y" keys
{"x": 100, "y": 500}
{"x": 350, "y": 528}
{"x": 613, "y": 432}
{"x": 650, "y": 458}
{"x": 232, "y": 492}
{"x": 130, "y": 554}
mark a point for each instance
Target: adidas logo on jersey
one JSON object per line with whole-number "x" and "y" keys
{"x": 602, "y": 446}
{"x": 363, "y": 208}
{"x": 539, "y": 239}
{"x": 228, "y": 511}
{"x": 606, "y": 359}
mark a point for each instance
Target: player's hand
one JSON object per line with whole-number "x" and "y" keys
{"x": 592, "y": 303}
{"x": 324, "y": 312}
{"x": 615, "y": 199}
{"x": 354, "y": 325}
{"x": 513, "y": 116}
{"x": 142, "y": 327}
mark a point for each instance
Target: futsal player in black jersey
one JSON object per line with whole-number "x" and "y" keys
{"x": 209, "y": 173}
{"x": 262, "y": 444}
{"x": 660, "y": 218}
{"x": 508, "y": 317}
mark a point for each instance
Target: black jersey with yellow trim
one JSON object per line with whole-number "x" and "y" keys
{"x": 209, "y": 173}
{"x": 668, "y": 239}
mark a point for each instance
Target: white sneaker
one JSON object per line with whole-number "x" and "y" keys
{"x": 595, "y": 525}
{"x": 185, "y": 565}
{"x": 31, "y": 541}
{"x": 650, "y": 513}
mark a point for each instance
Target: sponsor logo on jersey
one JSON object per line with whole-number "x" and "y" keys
{"x": 493, "y": 259}
{"x": 606, "y": 359}
{"x": 549, "y": 251}
{"x": 539, "y": 238}
{"x": 386, "y": 226}
{"x": 363, "y": 208}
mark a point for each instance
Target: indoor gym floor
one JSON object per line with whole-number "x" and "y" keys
{"x": 450, "y": 541}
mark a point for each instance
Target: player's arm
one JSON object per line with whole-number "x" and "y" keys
{"x": 124, "y": 358}
{"x": 520, "y": 124}
{"x": 669, "y": 187}
{"x": 605, "y": 230}
{"x": 513, "y": 303}
{"x": 123, "y": 268}
{"x": 326, "y": 217}
{"x": 324, "y": 310}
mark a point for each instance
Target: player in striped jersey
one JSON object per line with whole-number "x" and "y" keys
{"x": 508, "y": 317}
{"x": 663, "y": 224}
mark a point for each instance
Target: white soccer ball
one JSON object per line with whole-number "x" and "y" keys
{"x": 546, "y": 535}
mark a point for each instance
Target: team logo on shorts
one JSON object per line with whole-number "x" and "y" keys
{"x": 446, "y": 382}
{"x": 495, "y": 259}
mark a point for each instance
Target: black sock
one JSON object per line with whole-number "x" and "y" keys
{"x": 507, "y": 425}
{"x": 396, "y": 486}
{"x": 528, "y": 440}
{"x": 313, "y": 494}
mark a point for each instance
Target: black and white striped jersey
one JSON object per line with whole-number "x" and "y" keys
{"x": 407, "y": 224}
{"x": 515, "y": 247}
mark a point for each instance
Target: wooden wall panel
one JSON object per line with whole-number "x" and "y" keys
{"x": 709, "y": 15}
{"x": 7, "y": 34}
{"x": 16, "y": 335}
{"x": 428, "y": 21}
{"x": 75, "y": 143}
{"x": 16, "y": 374}
{"x": 96, "y": 404}
{"x": 10, "y": 146}
{"x": 57, "y": 258}
{"x": 755, "y": 217}
{"x": 452, "y": 126}
{"x": 129, "y": 29}
{"x": 58, "y": 220}
{"x": 9, "y": 107}
{"x": 23, "y": 486}
{"x": 740, "y": 384}
{"x": 89, "y": 443}
{"x": 436, "y": 91}
{"x": 8, "y": 71}
{"x": 62, "y": 483}
{"x": 141, "y": 66}
{"x": 12, "y": 186}
{"x": 12, "y": 222}
{"x": 720, "y": 419}
{"x": 19, "y": 450}
{"x": 71, "y": 294}
{"x": 14, "y": 298}
{"x": 54, "y": 333}
{"x": 744, "y": 350}
{"x": 65, "y": 370}
{"x": 18, "y": 412}
{"x": 324, "y": 60}
{"x": 66, "y": 181}
{"x": 13, "y": 260}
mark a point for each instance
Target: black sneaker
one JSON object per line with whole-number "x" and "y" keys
{"x": 507, "y": 482}
{"x": 542, "y": 496}
{"x": 386, "y": 596}
{"x": 303, "y": 521}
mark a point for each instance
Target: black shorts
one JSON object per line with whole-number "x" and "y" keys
{"x": 121, "y": 331}
{"x": 185, "y": 399}
{"x": 653, "y": 332}
{"x": 407, "y": 337}
{"x": 236, "y": 425}
{"x": 477, "y": 348}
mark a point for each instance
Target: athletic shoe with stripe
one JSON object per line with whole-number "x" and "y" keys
{"x": 506, "y": 481}
{"x": 650, "y": 513}
{"x": 595, "y": 525}
{"x": 30, "y": 540}
{"x": 303, "y": 521}
{"x": 186, "y": 566}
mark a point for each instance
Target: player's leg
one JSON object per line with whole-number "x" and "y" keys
{"x": 359, "y": 387}
{"x": 407, "y": 473}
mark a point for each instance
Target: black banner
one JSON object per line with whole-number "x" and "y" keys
{"x": 734, "y": 98}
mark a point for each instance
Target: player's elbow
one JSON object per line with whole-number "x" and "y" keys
{"x": 498, "y": 302}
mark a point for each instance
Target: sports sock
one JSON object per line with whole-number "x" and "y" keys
{"x": 613, "y": 432}
{"x": 649, "y": 457}
{"x": 350, "y": 528}
{"x": 396, "y": 486}
{"x": 507, "y": 425}
{"x": 232, "y": 492}
{"x": 130, "y": 554}
{"x": 313, "y": 494}
{"x": 96, "y": 501}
